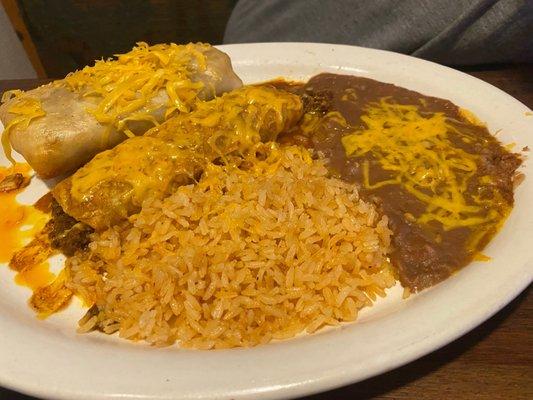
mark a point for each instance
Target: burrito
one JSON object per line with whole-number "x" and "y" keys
{"x": 60, "y": 126}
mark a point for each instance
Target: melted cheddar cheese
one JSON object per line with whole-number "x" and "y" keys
{"x": 18, "y": 222}
{"x": 416, "y": 151}
{"x": 145, "y": 164}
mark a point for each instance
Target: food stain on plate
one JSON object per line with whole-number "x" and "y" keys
{"x": 245, "y": 214}
{"x": 19, "y": 223}
{"x": 35, "y": 277}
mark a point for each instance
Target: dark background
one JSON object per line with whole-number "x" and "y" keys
{"x": 63, "y": 35}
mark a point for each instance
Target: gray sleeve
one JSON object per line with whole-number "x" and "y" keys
{"x": 459, "y": 32}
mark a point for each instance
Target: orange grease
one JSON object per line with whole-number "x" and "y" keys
{"x": 35, "y": 277}
{"x": 13, "y": 217}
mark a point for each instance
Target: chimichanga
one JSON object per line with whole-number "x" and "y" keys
{"x": 60, "y": 126}
{"x": 114, "y": 184}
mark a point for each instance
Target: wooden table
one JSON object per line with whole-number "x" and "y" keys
{"x": 492, "y": 362}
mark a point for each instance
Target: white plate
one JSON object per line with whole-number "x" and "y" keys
{"x": 48, "y": 359}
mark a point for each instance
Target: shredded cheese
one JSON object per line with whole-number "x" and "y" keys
{"x": 416, "y": 151}
{"x": 26, "y": 109}
{"x": 123, "y": 89}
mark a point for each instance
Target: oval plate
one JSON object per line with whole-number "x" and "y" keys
{"x": 48, "y": 359}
